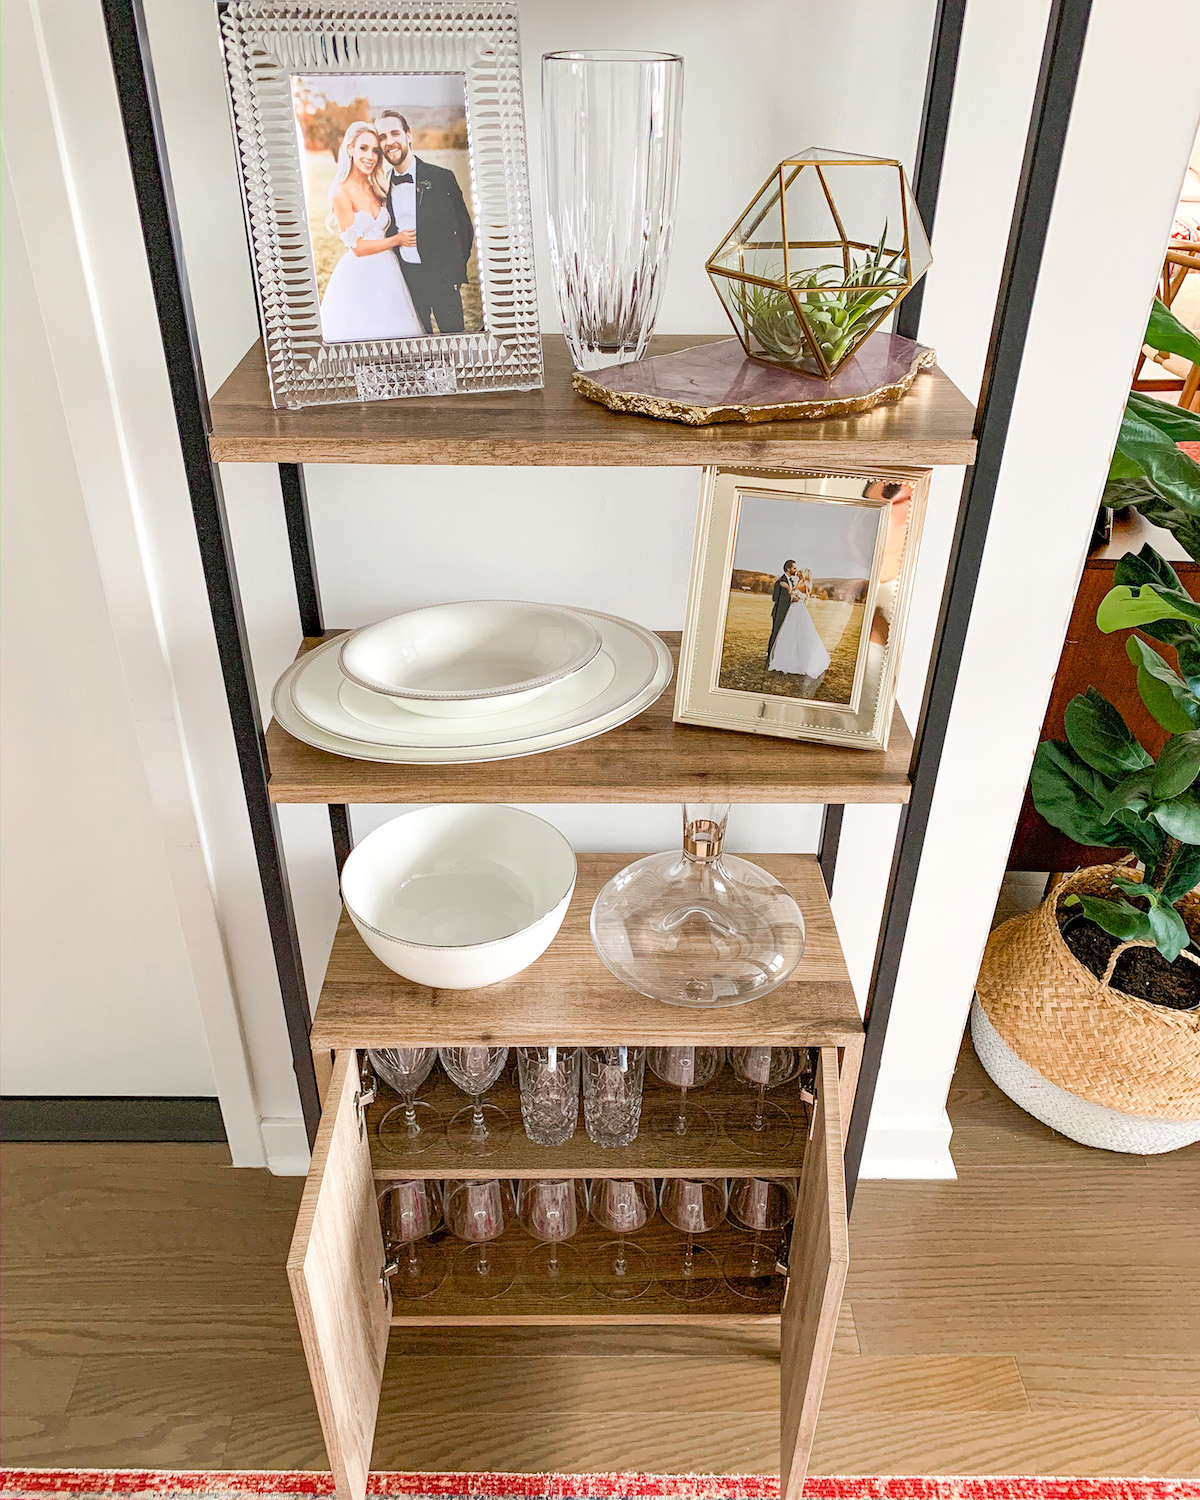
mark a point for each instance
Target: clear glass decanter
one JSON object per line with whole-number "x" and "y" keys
{"x": 699, "y": 927}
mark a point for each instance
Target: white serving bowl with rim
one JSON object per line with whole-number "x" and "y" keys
{"x": 459, "y": 897}
{"x": 481, "y": 656}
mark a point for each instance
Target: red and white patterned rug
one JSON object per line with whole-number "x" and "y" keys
{"x": 274, "y": 1484}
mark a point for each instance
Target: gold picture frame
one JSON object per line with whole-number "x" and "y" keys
{"x": 850, "y": 538}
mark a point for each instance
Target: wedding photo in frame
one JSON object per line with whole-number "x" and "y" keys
{"x": 800, "y": 590}
{"x": 385, "y": 186}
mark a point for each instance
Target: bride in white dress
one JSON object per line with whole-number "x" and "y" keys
{"x": 367, "y": 296}
{"x": 798, "y": 648}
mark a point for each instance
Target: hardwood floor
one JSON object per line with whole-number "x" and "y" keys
{"x": 1040, "y": 1315}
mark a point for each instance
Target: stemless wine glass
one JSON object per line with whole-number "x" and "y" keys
{"x": 757, "y": 1125}
{"x": 610, "y": 146}
{"x": 409, "y": 1211}
{"x": 414, "y": 1125}
{"x": 620, "y": 1270}
{"x": 694, "y": 1205}
{"x": 482, "y": 1128}
{"x": 688, "y": 1126}
{"x": 478, "y": 1211}
{"x": 549, "y": 1081}
{"x": 763, "y": 1205}
{"x": 550, "y": 1211}
{"x": 612, "y": 1093}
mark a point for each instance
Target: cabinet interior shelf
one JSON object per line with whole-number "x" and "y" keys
{"x": 933, "y": 424}
{"x": 649, "y": 759}
{"x": 646, "y": 1156}
{"x": 569, "y": 998}
{"x": 663, "y": 1245}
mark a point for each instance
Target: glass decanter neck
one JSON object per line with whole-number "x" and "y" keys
{"x": 704, "y": 830}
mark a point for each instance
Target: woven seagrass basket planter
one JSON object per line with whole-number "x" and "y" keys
{"x": 1074, "y": 1030}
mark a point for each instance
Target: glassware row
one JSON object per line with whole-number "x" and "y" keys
{"x": 611, "y": 1080}
{"x": 478, "y": 1211}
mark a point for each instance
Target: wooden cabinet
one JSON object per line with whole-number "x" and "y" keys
{"x": 344, "y": 1303}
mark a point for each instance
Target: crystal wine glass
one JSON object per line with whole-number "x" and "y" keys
{"x": 550, "y": 1211}
{"x": 689, "y": 1127}
{"x": 478, "y": 1211}
{"x": 619, "y": 1269}
{"x": 412, "y": 1126}
{"x": 763, "y": 1205}
{"x": 612, "y": 1093}
{"x": 409, "y": 1211}
{"x": 756, "y": 1125}
{"x": 695, "y": 1206}
{"x": 482, "y": 1128}
{"x": 549, "y": 1082}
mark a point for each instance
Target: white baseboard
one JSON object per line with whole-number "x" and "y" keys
{"x": 286, "y": 1145}
{"x": 908, "y": 1146}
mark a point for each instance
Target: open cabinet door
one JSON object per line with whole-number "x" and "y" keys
{"x": 816, "y": 1277}
{"x": 334, "y": 1270}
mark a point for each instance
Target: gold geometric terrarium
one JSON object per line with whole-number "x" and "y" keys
{"x": 829, "y": 246}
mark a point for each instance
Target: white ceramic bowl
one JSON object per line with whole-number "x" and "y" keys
{"x": 460, "y": 897}
{"x": 478, "y": 657}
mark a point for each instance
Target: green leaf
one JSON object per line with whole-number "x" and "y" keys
{"x": 1172, "y": 473}
{"x": 1168, "y": 930}
{"x": 1070, "y": 795}
{"x": 1146, "y": 566}
{"x": 1118, "y": 919}
{"x": 1180, "y": 817}
{"x": 1163, "y": 691}
{"x": 1164, "y": 331}
{"x": 1184, "y": 876}
{"x": 1133, "y": 793}
{"x": 1180, "y": 425}
{"x": 1125, "y": 608}
{"x": 1099, "y": 736}
{"x": 1162, "y": 512}
{"x": 1178, "y": 766}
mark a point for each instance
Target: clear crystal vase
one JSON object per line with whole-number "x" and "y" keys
{"x": 610, "y": 144}
{"x": 699, "y": 927}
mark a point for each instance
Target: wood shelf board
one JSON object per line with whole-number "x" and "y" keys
{"x": 646, "y": 1156}
{"x": 933, "y": 424}
{"x": 523, "y": 1306}
{"x": 569, "y": 998}
{"x": 649, "y": 759}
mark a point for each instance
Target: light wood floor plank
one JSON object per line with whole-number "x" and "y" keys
{"x": 187, "y": 1442}
{"x": 920, "y": 1384}
{"x": 36, "y": 1385}
{"x": 1157, "y": 1382}
{"x": 1113, "y": 1441}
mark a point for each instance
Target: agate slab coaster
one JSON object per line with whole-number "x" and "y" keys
{"x": 718, "y": 383}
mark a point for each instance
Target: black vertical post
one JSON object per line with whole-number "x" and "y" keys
{"x": 128, "y": 42}
{"x": 831, "y": 837}
{"x": 931, "y": 145}
{"x": 304, "y": 561}
{"x": 1055, "y": 94}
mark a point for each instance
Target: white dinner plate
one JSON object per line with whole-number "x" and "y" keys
{"x": 631, "y": 672}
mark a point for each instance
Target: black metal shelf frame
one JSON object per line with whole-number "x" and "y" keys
{"x": 128, "y": 40}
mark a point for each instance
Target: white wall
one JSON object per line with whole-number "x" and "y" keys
{"x": 98, "y": 991}
{"x": 760, "y": 83}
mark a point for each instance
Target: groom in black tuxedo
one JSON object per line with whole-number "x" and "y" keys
{"x": 781, "y": 602}
{"x": 427, "y": 209}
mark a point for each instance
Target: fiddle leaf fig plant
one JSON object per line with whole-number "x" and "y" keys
{"x": 1148, "y": 469}
{"x": 1102, "y": 787}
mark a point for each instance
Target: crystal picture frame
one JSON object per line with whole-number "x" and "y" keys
{"x": 268, "y": 43}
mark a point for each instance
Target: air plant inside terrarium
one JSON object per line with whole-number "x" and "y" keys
{"x": 837, "y": 299}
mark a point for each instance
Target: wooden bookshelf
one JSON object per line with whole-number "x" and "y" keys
{"x": 569, "y": 998}
{"x": 523, "y": 1304}
{"x": 933, "y": 424}
{"x": 649, "y": 759}
{"x": 646, "y": 1156}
